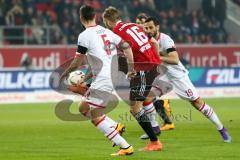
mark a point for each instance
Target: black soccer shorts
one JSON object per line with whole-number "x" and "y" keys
{"x": 141, "y": 84}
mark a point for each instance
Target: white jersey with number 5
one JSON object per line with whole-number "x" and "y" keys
{"x": 101, "y": 48}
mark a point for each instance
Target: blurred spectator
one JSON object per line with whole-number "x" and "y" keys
{"x": 194, "y": 23}
{"x": 237, "y": 2}
{"x": 37, "y": 33}
{"x": 2, "y": 19}
{"x": 15, "y": 16}
{"x": 2, "y": 12}
{"x": 29, "y": 16}
{"x": 171, "y": 18}
{"x": 56, "y": 36}
{"x": 220, "y": 11}
{"x": 207, "y": 6}
{"x": 174, "y": 31}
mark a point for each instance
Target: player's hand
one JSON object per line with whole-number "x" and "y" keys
{"x": 80, "y": 88}
{"x": 73, "y": 88}
{"x": 131, "y": 74}
{"x": 150, "y": 35}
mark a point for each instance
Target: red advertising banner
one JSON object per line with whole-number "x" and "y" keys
{"x": 42, "y": 57}
{"x": 211, "y": 55}
{"x": 50, "y": 57}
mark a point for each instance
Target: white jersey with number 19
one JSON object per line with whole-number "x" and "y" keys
{"x": 98, "y": 41}
{"x": 177, "y": 75}
{"x": 166, "y": 43}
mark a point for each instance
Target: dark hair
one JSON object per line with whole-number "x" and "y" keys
{"x": 111, "y": 14}
{"x": 87, "y": 12}
{"x": 142, "y": 16}
{"x": 155, "y": 20}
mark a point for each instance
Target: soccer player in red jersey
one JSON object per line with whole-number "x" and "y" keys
{"x": 146, "y": 60}
{"x": 162, "y": 106}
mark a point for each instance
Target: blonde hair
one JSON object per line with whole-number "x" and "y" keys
{"x": 111, "y": 14}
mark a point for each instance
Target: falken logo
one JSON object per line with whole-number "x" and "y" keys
{"x": 223, "y": 76}
{"x": 27, "y": 80}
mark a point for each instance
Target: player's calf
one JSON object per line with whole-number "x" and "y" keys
{"x": 104, "y": 125}
{"x": 209, "y": 113}
{"x": 144, "y": 122}
{"x": 151, "y": 113}
{"x": 108, "y": 127}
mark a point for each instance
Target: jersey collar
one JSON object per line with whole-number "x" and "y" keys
{"x": 118, "y": 22}
{"x": 159, "y": 36}
{"x": 92, "y": 26}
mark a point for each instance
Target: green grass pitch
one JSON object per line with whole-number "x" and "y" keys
{"x": 33, "y": 132}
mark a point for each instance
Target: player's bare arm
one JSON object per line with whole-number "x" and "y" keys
{"x": 170, "y": 58}
{"x": 129, "y": 55}
{"x": 77, "y": 61}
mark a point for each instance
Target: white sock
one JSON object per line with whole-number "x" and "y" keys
{"x": 150, "y": 111}
{"x": 211, "y": 115}
{"x": 111, "y": 133}
{"x": 111, "y": 121}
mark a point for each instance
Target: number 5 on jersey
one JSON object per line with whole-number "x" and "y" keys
{"x": 107, "y": 44}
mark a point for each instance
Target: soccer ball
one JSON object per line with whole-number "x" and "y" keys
{"x": 75, "y": 77}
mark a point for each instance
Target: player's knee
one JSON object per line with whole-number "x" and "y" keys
{"x": 84, "y": 108}
{"x": 96, "y": 120}
{"x": 84, "y": 112}
{"x": 134, "y": 110}
{"x": 198, "y": 103}
{"x": 136, "y": 107}
{"x": 148, "y": 100}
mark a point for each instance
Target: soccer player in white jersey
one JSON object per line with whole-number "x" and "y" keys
{"x": 177, "y": 75}
{"x": 94, "y": 43}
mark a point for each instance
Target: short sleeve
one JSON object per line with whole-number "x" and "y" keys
{"x": 168, "y": 44}
{"x": 83, "y": 45}
{"x": 116, "y": 38}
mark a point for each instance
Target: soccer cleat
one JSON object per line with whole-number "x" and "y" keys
{"x": 166, "y": 105}
{"x": 167, "y": 127}
{"x": 144, "y": 136}
{"x": 124, "y": 152}
{"x": 120, "y": 128}
{"x": 153, "y": 146}
{"x": 156, "y": 131}
{"x": 225, "y": 135}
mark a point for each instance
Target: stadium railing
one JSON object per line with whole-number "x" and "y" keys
{"x": 29, "y": 35}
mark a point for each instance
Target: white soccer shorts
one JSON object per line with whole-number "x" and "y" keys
{"x": 183, "y": 87}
